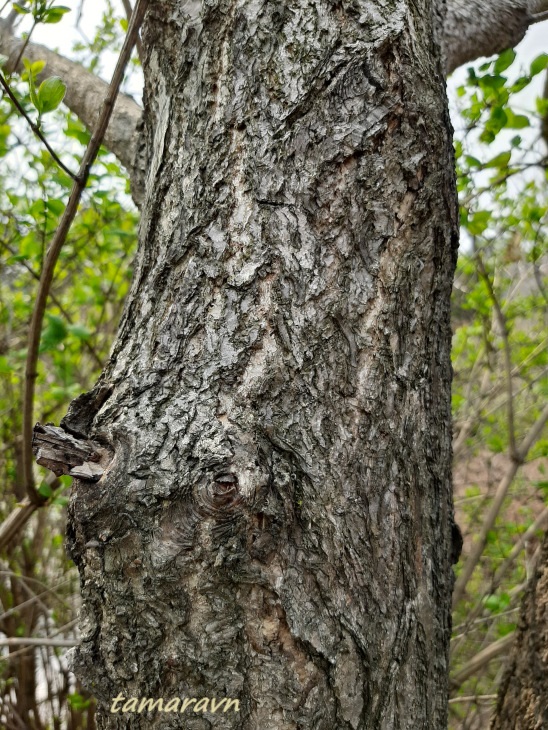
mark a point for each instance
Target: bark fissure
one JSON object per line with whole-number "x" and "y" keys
{"x": 275, "y": 525}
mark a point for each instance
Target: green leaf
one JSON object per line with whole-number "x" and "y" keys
{"x": 21, "y": 9}
{"x": 50, "y": 94}
{"x": 491, "y": 83}
{"x": 505, "y": 629}
{"x": 79, "y": 331}
{"x": 505, "y": 59}
{"x": 36, "y": 67}
{"x": 500, "y": 160}
{"x": 3, "y": 60}
{"x": 54, "y": 334}
{"x": 472, "y": 161}
{"x": 516, "y": 121}
{"x": 45, "y": 490}
{"x": 55, "y": 205}
{"x": 520, "y": 84}
{"x": 539, "y": 64}
{"x": 55, "y": 14}
{"x": 478, "y": 222}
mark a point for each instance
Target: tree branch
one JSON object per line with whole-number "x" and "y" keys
{"x": 473, "y": 28}
{"x": 35, "y": 330}
{"x": 476, "y": 28}
{"x": 31, "y": 641}
{"x": 37, "y": 131}
{"x": 502, "y": 490}
{"x": 84, "y": 96}
{"x": 481, "y": 659}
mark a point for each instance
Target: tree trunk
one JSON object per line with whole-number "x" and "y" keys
{"x": 523, "y": 694}
{"x": 274, "y": 522}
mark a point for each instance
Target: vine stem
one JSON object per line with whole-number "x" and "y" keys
{"x": 57, "y": 243}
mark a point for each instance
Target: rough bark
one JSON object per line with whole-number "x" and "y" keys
{"x": 276, "y": 523}
{"x": 472, "y": 28}
{"x": 523, "y": 695}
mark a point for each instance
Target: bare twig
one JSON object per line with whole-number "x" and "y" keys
{"x": 21, "y": 514}
{"x": 129, "y": 11}
{"x": 25, "y": 44}
{"x": 507, "y": 356}
{"x": 502, "y": 491}
{"x": 57, "y": 244}
{"x": 84, "y": 95}
{"x": 481, "y": 659}
{"x": 537, "y": 525}
{"x": 32, "y": 599}
{"x": 472, "y": 616}
{"x": 28, "y": 641}
{"x": 55, "y": 300}
{"x": 472, "y": 698}
{"x": 15, "y": 521}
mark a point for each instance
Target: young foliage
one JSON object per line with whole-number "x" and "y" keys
{"x": 499, "y": 359}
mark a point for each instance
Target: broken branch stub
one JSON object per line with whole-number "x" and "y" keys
{"x": 62, "y": 453}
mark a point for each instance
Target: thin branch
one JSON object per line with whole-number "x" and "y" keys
{"x": 61, "y": 630}
{"x": 85, "y": 92}
{"x": 499, "y": 574}
{"x": 37, "y": 131}
{"x": 55, "y": 300}
{"x": 57, "y": 244}
{"x": 20, "y": 515}
{"x": 31, "y": 600}
{"x": 15, "y": 521}
{"x": 138, "y": 44}
{"x": 480, "y": 660}
{"x": 507, "y": 355}
{"x": 537, "y": 525}
{"x": 28, "y": 641}
{"x": 24, "y": 45}
{"x": 502, "y": 491}
{"x": 472, "y": 698}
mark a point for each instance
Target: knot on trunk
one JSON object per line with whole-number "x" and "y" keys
{"x": 221, "y": 498}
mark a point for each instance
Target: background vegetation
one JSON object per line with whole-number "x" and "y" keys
{"x": 499, "y": 357}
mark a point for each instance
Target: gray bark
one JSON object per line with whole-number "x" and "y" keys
{"x": 476, "y": 28}
{"x": 276, "y": 522}
{"x": 472, "y": 29}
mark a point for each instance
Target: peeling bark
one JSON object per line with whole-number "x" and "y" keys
{"x": 523, "y": 695}
{"x": 60, "y": 452}
{"x": 276, "y": 523}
